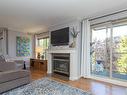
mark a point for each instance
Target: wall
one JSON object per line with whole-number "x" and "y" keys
{"x": 12, "y": 46}
{"x": 77, "y": 25}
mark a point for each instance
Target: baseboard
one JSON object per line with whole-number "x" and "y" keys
{"x": 73, "y": 78}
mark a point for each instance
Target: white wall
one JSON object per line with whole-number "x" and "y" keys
{"x": 12, "y": 46}
{"x": 76, "y": 24}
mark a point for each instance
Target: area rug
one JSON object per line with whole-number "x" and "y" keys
{"x": 46, "y": 87}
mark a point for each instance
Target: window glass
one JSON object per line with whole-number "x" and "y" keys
{"x": 109, "y": 51}
{"x": 100, "y": 62}
{"x": 43, "y": 44}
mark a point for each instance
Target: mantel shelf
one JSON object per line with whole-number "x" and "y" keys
{"x": 61, "y": 51}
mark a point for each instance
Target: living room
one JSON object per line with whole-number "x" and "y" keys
{"x": 63, "y": 47}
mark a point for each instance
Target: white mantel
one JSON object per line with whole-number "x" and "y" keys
{"x": 73, "y": 61}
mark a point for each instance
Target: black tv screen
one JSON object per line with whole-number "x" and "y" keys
{"x": 60, "y": 37}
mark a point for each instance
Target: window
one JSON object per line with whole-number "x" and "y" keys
{"x": 44, "y": 44}
{"x": 119, "y": 52}
{"x": 109, "y": 51}
{"x": 1, "y": 49}
{"x": 100, "y": 52}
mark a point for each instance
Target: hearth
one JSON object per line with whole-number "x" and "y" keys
{"x": 61, "y": 63}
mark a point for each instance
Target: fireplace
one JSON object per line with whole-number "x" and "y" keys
{"x": 61, "y": 63}
{"x": 63, "y": 56}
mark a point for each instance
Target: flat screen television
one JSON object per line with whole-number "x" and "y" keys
{"x": 60, "y": 37}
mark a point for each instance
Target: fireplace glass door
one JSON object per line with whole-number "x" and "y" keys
{"x": 61, "y": 63}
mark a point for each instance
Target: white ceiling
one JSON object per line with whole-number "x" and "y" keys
{"x": 37, "y": 15}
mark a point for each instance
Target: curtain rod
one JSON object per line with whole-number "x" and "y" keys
{"x": 108, "y": 15}
{"x": 41, "y": 33}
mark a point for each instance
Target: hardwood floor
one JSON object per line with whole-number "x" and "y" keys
{"x": 96, "y": 87}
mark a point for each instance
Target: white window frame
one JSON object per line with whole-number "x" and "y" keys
{"x": 107, "y": 79}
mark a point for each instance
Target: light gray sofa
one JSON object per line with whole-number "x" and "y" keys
{"x": 11, "y": 76}
{"x": 13, "y": 79}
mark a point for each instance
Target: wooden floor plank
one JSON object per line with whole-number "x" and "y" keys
{"x": 96, "y": 87}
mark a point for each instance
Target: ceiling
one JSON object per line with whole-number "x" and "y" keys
{"x": 37, "y": 15}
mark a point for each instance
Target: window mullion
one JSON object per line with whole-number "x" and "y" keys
{"x": 111, "y": 46}
{"x": 106, "y": 45}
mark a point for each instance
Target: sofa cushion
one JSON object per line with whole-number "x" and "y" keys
{"x": 13, "y": 75}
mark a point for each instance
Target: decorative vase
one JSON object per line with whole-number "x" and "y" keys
{"x": 73, "y": 44}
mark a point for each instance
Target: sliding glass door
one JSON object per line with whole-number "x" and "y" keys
{"x": 99, "y": 50}
{"x": 119, "y": 54}
{"x": 109, "y": 51}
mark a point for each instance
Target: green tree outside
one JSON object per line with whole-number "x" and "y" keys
{"x": 122, "y": 61}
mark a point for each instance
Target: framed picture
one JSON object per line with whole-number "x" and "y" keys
{"x": 22, "y": 46}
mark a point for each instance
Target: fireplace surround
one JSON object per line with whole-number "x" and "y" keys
{"x": 74, "y": 66}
